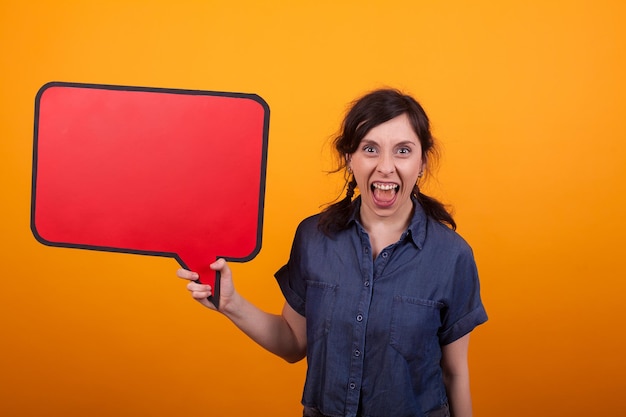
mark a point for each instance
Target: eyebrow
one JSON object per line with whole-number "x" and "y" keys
{"x": 407, "y": 142}
{"x": 402, "y": 143}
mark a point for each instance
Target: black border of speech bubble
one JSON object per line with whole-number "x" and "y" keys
{"x": 214, "y": 298}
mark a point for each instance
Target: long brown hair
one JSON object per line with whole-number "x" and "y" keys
{"x": 369, "y": 111}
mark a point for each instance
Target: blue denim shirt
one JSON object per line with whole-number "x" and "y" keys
{"x": 375, "y": 327}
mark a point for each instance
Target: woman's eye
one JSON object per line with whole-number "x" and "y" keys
{"x": 369, "y": 149}
{"x": 404, "y": 150}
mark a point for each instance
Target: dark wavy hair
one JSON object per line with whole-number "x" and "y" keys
{"x": 369, "y": 111}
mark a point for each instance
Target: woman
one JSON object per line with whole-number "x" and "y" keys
{"x": 381, "y": 293}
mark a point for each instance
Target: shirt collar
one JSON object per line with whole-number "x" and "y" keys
{"x": 416, "y": 230}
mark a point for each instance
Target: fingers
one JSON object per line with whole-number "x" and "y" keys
{"x": 185, "y": 274}
{"x": 196, "y": 289}
{"x": 201, "y": 294}
{"x": 220, "y": 265}
{"x": 199, "y": 291}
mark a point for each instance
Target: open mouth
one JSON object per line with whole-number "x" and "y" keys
{"x": 384, "y": 193}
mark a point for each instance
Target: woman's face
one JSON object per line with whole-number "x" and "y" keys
{"x": 386, "y": 166}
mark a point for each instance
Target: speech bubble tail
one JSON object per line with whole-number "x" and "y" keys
{"x": 200, "y": 263}
{"x": 207, "y": 276}
{"x": 215, "y": 295}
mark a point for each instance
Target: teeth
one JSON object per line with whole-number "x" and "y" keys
{"x": 385, "y": 187}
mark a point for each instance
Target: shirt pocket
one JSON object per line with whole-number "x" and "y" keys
{"x": 320, "y": 303}
{"x": 414, "y": 327}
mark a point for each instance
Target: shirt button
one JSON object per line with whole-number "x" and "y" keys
{"x": 352, "y": 385}
{"x": 359, "y": 317}
{"x": 384, "y": 254}
{"x": 366, "y": 283}
{"x": 357, "y": 353}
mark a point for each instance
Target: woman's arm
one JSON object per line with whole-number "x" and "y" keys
{"x": 284, "y": 334}
{"x": 456, "y": 377}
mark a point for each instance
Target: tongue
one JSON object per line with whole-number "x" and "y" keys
{"x": 384, "y": 196}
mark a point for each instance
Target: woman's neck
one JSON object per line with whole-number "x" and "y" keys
{"x": 384, "y": 231}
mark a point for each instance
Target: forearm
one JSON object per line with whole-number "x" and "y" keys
{"x": 456, "y": 377}
{"x": 459, "y": 398}
{"x": 283, "y": 335}
{"x": 270, "y": 331}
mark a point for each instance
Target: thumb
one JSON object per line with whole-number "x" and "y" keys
{"x": 222, "y": 267}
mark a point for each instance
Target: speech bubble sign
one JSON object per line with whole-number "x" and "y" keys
{"x": 175, "y": 173}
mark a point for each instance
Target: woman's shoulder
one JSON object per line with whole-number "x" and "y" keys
{"x": 309, "y": 226}
{"x": 310, "y": 222}
{"x": 441, "y": 235}
{"x": 309, "y": 229}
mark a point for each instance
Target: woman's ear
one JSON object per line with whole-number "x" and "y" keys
{"x": 422, "y": 170}
{"x": 348, "y": 159}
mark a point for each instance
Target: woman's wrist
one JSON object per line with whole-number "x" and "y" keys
{"x": 231, "y": 307}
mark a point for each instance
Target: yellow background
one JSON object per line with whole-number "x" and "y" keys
{"x": 526, "y": 97}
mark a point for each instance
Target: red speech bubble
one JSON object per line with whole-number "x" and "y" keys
{"x": 164, "y": 172}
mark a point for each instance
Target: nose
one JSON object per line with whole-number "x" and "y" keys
{"x": 385, "y": 164}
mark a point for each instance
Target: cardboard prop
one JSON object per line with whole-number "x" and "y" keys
{"x": 164, "y": 172}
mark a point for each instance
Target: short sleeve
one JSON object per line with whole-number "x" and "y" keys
{"x": 464, "y": 308}
{"x": 291, "y": 278}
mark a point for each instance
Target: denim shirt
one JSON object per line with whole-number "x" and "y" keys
{"x": 375, "y": 327}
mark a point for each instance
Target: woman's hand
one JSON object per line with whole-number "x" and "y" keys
{"x": 282, "y": 334}
{"x": 201, "y": 292}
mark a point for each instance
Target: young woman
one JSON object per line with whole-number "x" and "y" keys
{"x": 381, "y": 292}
